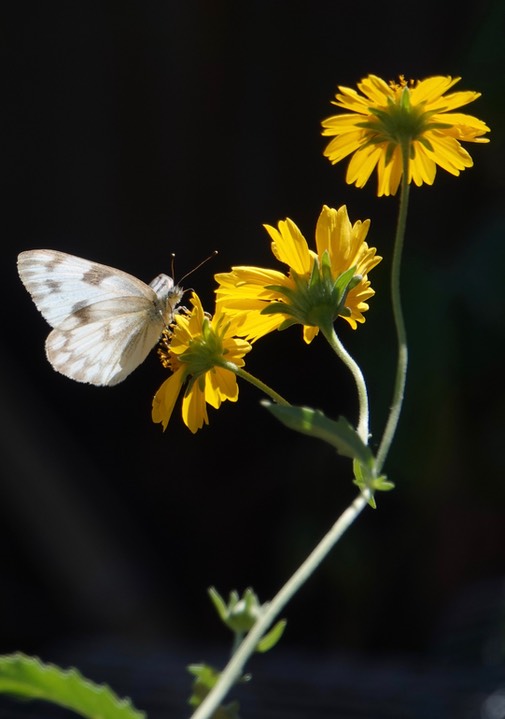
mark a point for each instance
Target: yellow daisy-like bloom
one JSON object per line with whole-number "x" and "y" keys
{"x": 386, "y": 116}
{"x": 319, "y": 287}
{"x": 195, "y": 350}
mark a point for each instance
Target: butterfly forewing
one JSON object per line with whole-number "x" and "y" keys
{"x": 59, "y": 282}
{"x": 105, "y": 320}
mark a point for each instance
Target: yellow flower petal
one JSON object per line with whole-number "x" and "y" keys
{"x": 166, "y": 396}
{"x": 431, "y": 89}
{"x": 221, "y": 384}
{"x": 341, "y": 146}
{"x": 309, "y": 333}
{"x": 376, "y": 89}
{"x": 450, "y": 155}
{"x": 256, "y": 325}
{"x": 463, "y": 127}
{"x": 422, "y": 167}
{"x": 194, "y": 411}
{"x": 290, "y": 246}
{"x": 390, "y": 174}
{"x": 248, "y": 282}
{"x": 362, "y": 164}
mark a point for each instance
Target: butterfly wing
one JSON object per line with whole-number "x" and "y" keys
{"x": 104, "y": 343}
{"x": 105, "y": 320}
{"x": 60, "y": 284}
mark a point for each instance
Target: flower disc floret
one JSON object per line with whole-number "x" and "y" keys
{"x": 385, "y": 117}
{"x": 320, "y": 286}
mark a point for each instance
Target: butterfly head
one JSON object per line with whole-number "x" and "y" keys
{"x": 169, "y": 295}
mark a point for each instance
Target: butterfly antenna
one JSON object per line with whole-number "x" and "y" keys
{"x": 194, "y": 268}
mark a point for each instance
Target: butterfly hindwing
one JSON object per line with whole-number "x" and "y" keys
{"x": 104, "y": 351}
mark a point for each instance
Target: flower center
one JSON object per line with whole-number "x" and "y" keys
{"x": 398, "y": 122}
{"x": 203, "y": 352}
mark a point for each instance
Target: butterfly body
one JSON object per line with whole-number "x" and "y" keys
{"x": 105, "y": 321}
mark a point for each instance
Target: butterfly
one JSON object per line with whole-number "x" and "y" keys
{"x": 105, "y": 321}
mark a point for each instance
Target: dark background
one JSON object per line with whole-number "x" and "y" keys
{"x": 135, "y": 130}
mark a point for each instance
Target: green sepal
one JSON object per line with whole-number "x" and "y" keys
{"x": 425, "y": 142}
{"x": 364, "y": 480}
{"x": 391, "y": 147}
{"x": 287, "y": 323}
{"x": 23, "y": 677}
{"x": 270, "y": 639}
{"x": 340, "y": 434}
{"x": 241, "y": 613}
{"x": 275, "y": 307}
{"x": 405, "y": 103}
{"x": 315, "y": 301}
{"x": 344, "y": 283}
{"x": 383, "y": 484}
{"x": 219, "y": 603}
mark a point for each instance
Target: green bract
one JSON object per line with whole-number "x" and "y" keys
{"x": 317, "y": 302}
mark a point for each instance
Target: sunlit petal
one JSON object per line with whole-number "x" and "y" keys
{"x": 194, "y": 411}
{"x": 165, "y": 398}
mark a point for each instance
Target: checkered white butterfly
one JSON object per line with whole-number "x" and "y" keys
{"x": 105, "y": 321}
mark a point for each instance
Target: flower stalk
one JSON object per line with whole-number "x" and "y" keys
{"x": 402, "y": 359}
{"x": 248, "y": 377}
{"x": 339, "y": 349}
{"x": 234, "y": 669}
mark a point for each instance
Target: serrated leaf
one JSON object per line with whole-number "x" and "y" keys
{"x": 340, "y": 434}
{"x": 24, "y": 677}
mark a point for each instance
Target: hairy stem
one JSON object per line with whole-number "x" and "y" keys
{"x": 352, "y": 365}
{"x": 270, "y": 611}
{"x": 402, "y": 361}
{"x": 256, "y": 383}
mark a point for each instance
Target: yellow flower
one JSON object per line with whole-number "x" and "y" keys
{"x": 385, "y": 116}
{"x": 319, "y": 287}
{"x": 197, "y": 350}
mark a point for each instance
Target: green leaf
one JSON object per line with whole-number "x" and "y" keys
{"x": 340, "y": 434}
{"x": 205, "y": 678}
{"x": 24, "y": 677}
{"x": 272, "y": 637}
{"x": 364, "y": 479}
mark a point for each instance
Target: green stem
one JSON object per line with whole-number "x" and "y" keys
{"x": 238, "y": 638}
{"x": 234, "y": 669}
{"x": 352, "y": 365}
{"x": 256, "y": 382}
{"x": 402, "y": 362}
